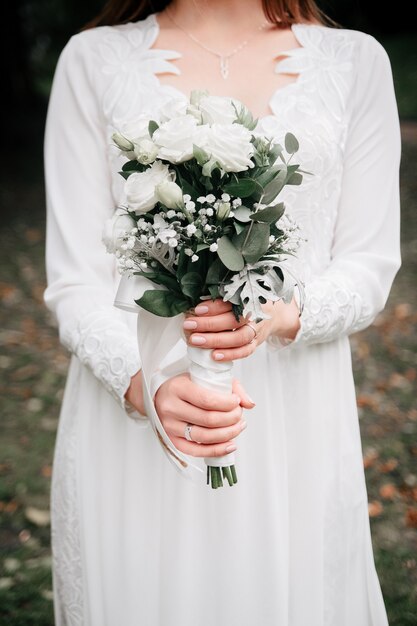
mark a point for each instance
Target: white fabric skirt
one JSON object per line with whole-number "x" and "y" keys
{"x": 135, "y": 543}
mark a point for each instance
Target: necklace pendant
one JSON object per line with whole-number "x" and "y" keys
{"x": 224, "y": 67}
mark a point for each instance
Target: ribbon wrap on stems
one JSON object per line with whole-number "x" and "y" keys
{"x": 157, "y": 337}
{"x": 215, "y": 375}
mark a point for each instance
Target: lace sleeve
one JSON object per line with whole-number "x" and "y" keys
{"x": 365, "y": 254}
{"x": 81, "y": 275}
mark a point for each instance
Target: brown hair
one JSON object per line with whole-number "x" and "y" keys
{"x": 283, "y": 13}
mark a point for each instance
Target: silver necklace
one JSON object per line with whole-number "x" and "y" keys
{"x": 223, "y": 58}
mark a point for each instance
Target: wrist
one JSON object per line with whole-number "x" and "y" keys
{"x": 134, "y": 393}
{"x": 286, "y": 320}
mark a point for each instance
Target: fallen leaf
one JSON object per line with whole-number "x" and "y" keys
{"x": 37, "y": 516}
{"x": 411, "y": 517}
{"x": 46, "y": 471}
{"x": 370, "y": 456}
{"x": 388, "y": 491}
{"x": 403, "y": 311}
{"x": 375, "y": 508}
{"x": 388, "y": 466}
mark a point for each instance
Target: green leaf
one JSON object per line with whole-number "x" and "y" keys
{"x": 295, "y": 179}
{"x": 163, "y": 303}
{"x": 253, "y": 242}
{"x": 214, "y": 291}
{"x": 242, "y": 213}
{"x": 274, "y": 153}
{"x": 274, "y": 187}
{"x": 216, "y": 272}
{"x": 229, "y": 254}
{"x": 269, "y": 214}
{"x": 152, "y": 126}
{"x": 242, "y": 188}
{"x": 291, "y": 143}
{"x": 200, "y": 155}
{"x": 238, "y": 227}
{"x": 160, "y": 278}
{"x": 191, "y": 284}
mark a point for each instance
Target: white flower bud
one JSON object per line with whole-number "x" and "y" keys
{"x": 225, "y": 197}
{"x": 169, "y": 194}
{"x": 186, "y": 197}
{"x": 210, "y": 212}
{"x": 210, "y": 198}
{"x": 173, "y": 243}
{"x": 191, "y": 229}
{"x": 122, "y": 142}
{"x": 188, "y": 252}
{"x": 223, "y": 211}
{"x": 213, "y": 247}
{"x": 194, "y": 258}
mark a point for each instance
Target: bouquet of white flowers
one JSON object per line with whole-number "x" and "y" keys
{"x": 202, "y": 220}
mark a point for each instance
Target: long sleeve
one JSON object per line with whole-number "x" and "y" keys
{"x": 81, "y": 275}
{"x": 365, "y": 253}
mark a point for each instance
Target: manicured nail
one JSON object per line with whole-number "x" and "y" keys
{"x": 243, "y": 425}
{"x": 197, "y": 340}
{"x": 250, "y": 399}
{"x": 231, "y": 448}
{"x": 200, "y": 309}
{"x": 218, "y": 356}
{"x": 189, "y": 324}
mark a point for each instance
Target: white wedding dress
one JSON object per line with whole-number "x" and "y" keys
{"x": 135, "y": 543}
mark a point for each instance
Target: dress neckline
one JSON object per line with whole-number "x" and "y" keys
{"x": 295, "y": 29}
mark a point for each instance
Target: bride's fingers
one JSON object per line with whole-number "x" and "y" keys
{"x": 181, "y": 410}
{"x": 212, "y": 307}
{"x": 212, "y": 323}
{"x": 202, "y": 450}
{"x": 199, "y": 434}
{"x": 228, "y": 339}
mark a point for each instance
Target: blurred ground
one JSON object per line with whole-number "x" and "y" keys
{"x": 33, "y": 368}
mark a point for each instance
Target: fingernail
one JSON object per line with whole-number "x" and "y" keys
{"x": 197, "y": 340}
{"x": 189, "y": 324}
{"x": 243, "y": 425}
{"x": 250, "y": 399}
{"x": 200, "y": 309}
{"x": 231, "y": 448}
{"x": 218, "y": 356}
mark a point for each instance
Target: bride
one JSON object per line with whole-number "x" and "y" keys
{"x": 134, "y": 542}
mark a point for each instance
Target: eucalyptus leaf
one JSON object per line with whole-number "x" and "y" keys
{"x": 270, "y": 214}
{"x": 216, "y": 272}
{"x": 295, "y": 179}
{"x": 275, "y": 186}
{"x": 160, "y": 278}
{"x": 191, "y": 284}
{"x": 230, "y": 256}
{"x": 253, "y": 242}
{"x": 242, "y": 214}
{"x": 291, "y": 143}
{"x": 163, "y": 303}
{"x": 243, "y": 188}
{"x": 238, "y": 227}
{"x": 200, "y": 155}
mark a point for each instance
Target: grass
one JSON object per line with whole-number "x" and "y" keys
{"x": 33, "y": 368}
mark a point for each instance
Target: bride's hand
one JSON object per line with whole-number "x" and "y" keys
{"x": 216, "y": 417}
{"x": 213, "y": 322}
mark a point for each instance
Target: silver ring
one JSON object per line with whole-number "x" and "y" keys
{"x": 187, "y": 432}
{"x": 254, "y": 330}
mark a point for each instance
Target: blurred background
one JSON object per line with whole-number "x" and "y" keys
{"x": 33, "y": 365}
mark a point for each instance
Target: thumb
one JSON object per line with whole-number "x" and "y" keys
{"x": 245, "y": 400}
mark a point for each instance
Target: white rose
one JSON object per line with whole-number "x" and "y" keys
{"x": 170, "y": 194}
{"x": 136, "y": 129}
{"x": 140, "y": 187}
{"x": 145, "y": 151}
{"x": 174, "y": 107}
{"x": 115, "y": 229}
{"x": 175, "y": 139}
{"x": 218, "y": 109}
{"x": 230, "y": 145}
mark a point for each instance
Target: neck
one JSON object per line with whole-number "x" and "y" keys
{"x": 193, "y": 14}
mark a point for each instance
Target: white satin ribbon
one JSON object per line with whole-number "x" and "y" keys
{"x": 157, "y": 336}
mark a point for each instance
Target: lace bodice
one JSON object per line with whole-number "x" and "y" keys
{"x": 341, "y": 107}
